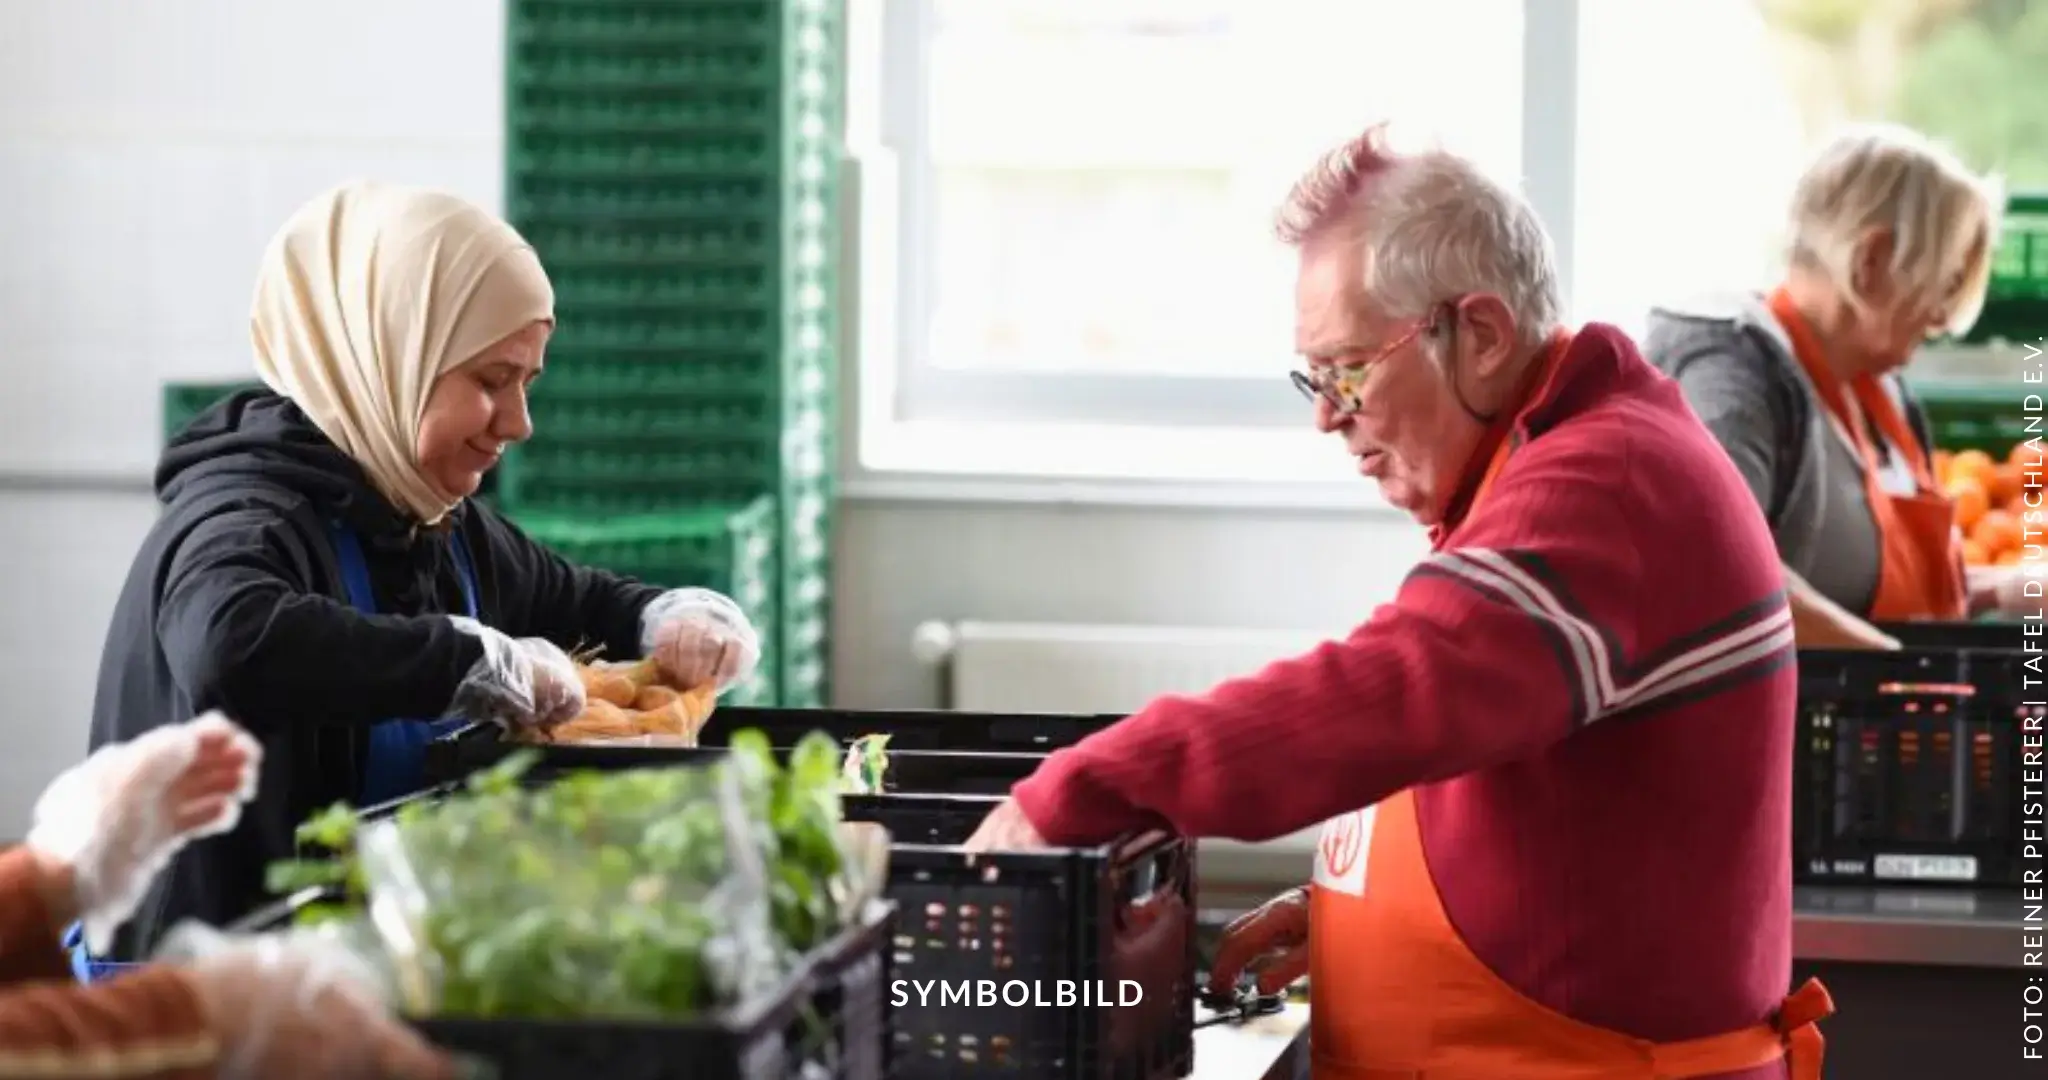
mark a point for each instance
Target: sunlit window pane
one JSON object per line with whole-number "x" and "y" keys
{"x": 1687, "y": 156}
{"x": 1105, "y": 170}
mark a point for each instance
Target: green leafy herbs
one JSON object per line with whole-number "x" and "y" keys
{"x": 639, "y": 893}
{"x": 866, "y": 765}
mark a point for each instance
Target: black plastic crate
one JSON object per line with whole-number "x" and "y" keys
{"x": 1974, "y": 636}
{"x": 928, "y": 772}
{"x": 1024, "y": 924}
{"x": 908, "y": 730}
{"x": 1905, "y": 766}
{"x": 913, "y": 729}
{"x": 830, "y": 1018}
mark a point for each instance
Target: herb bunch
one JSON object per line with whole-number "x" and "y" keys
{"x": 654, "y": 892}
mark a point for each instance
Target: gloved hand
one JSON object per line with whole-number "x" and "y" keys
{"x": 1271, "y": 941}
{"x": 523, "y": 682}
{"x": 699, "y": 637}
{"x": 299, "y": 1004}
{"x": 117, "y": 818}
{"x": 2004, "y": 590}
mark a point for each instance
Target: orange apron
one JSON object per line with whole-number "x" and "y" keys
{"x": 1396, "y": 994}
{"x": 1920, "y": 573}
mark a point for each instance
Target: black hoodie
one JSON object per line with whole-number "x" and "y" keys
{"x": 236, "y": 603}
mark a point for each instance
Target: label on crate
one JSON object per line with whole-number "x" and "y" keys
{"x": 1926, "y": 867}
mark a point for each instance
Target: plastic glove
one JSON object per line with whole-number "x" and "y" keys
{"x": 301, "y": 1004}
{"x": 699, "y": 637}
{"x": 523, "y": 682}
{"x": 1271, "y": 941}
{"x": 117, "y": 818}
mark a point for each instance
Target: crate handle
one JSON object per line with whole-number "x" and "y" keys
{"x": 1168, "y": 864}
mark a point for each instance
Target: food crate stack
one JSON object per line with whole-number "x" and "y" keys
{"x": 720, "y": 918}
{"x": 732, "y": 552}
{"x": 675, "y": 164}
{"x": 1906, "y": 762}
{"x": 1115, "y": 920}
{"x": 184, "y": 401}
{"x": 2016, "y": 303}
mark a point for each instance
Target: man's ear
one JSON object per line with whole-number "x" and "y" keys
{"x": 1491, "y": 336}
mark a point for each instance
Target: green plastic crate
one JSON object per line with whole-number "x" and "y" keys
{"x": 1974, "y": 415}
{"x": 184, "y": 401}
{"x": 676, "y": 166}
{"x": 731, "y": 550}
{"x": 2016, "y": 300}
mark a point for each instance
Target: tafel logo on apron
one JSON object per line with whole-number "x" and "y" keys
{"x": 1340, "y": 852}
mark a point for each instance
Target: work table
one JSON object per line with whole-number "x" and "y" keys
{"x": 1266, "y": 1048}
{"x": 1974, "y": 928}
{"x": 1864, "y": 924}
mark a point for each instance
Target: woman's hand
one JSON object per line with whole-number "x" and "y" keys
{"x": 1820, "y": 623}
{"x": 2004, "y": 590}
{"x": 296, "y": 1004}
{"x": 700, "y": 638}
{"x": 109, "y": 825}
{"x": 519, "y": 682}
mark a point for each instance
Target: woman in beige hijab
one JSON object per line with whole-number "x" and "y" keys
{"x": 319, "y": 572}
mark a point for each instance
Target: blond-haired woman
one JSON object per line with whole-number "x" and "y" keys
{"x": 1891, "y": 244}
{"x": 319, "y": 572}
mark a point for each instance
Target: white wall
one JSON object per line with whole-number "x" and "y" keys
{"x": 146, "y": 153}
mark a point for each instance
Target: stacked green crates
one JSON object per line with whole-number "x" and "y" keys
{"x": 732, "y": 551}
{"x": 675, "y": 164}
{"x": 184, "y": 401}
{"x": 2016, "y": 301}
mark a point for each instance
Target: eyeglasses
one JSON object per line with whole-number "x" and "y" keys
{"x": 1343, "y": 384}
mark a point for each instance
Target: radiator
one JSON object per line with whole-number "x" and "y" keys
{"x": 1076, "y": 668}
{"x": 1071, "y": 668}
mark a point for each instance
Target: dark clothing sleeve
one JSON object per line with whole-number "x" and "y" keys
{"x": 538, "y": 593}
{"x": 243, "y": 630}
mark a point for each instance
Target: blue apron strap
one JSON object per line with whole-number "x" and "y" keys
{"x": 397, "y": 748}
{"x": 83, "y": 967}
{"x": 465, "y": 570}
{"x": 355, "y": 568}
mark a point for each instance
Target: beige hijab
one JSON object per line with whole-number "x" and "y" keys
{"x": 367, "y": 295}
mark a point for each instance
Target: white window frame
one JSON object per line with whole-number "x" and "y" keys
{"x": 920, "y": 431}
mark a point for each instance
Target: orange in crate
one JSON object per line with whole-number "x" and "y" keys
{"x": 2006, "y": 488}
{"x": 1997, "y": 532}
{"x": 1972, "y": 501}
{"x": 1974, "y": 465}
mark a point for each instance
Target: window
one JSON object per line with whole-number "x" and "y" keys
{"x": 1687, "y": 157}
{"x": 1084, "y": 189}
{"x": 1079, "y": 236}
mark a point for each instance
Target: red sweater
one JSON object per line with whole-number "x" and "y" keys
{"x": 1623, "y": 858}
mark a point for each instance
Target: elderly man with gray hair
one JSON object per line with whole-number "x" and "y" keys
{"x": 1554, "y": 772}
{"x": 1891, "y": 244}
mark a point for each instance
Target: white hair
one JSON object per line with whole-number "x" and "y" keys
{"x": 1942, "y": 217}
{"x": 1433, "y": 226}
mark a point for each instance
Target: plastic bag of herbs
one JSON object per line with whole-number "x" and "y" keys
{"x": 644, "y": 893}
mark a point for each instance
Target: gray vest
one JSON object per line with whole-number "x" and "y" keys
{"x": 1736, "y": 366}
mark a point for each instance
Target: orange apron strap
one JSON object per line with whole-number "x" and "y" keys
{"x": 1793, "y": 1034}
{"x": 1799, "y": 1022}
